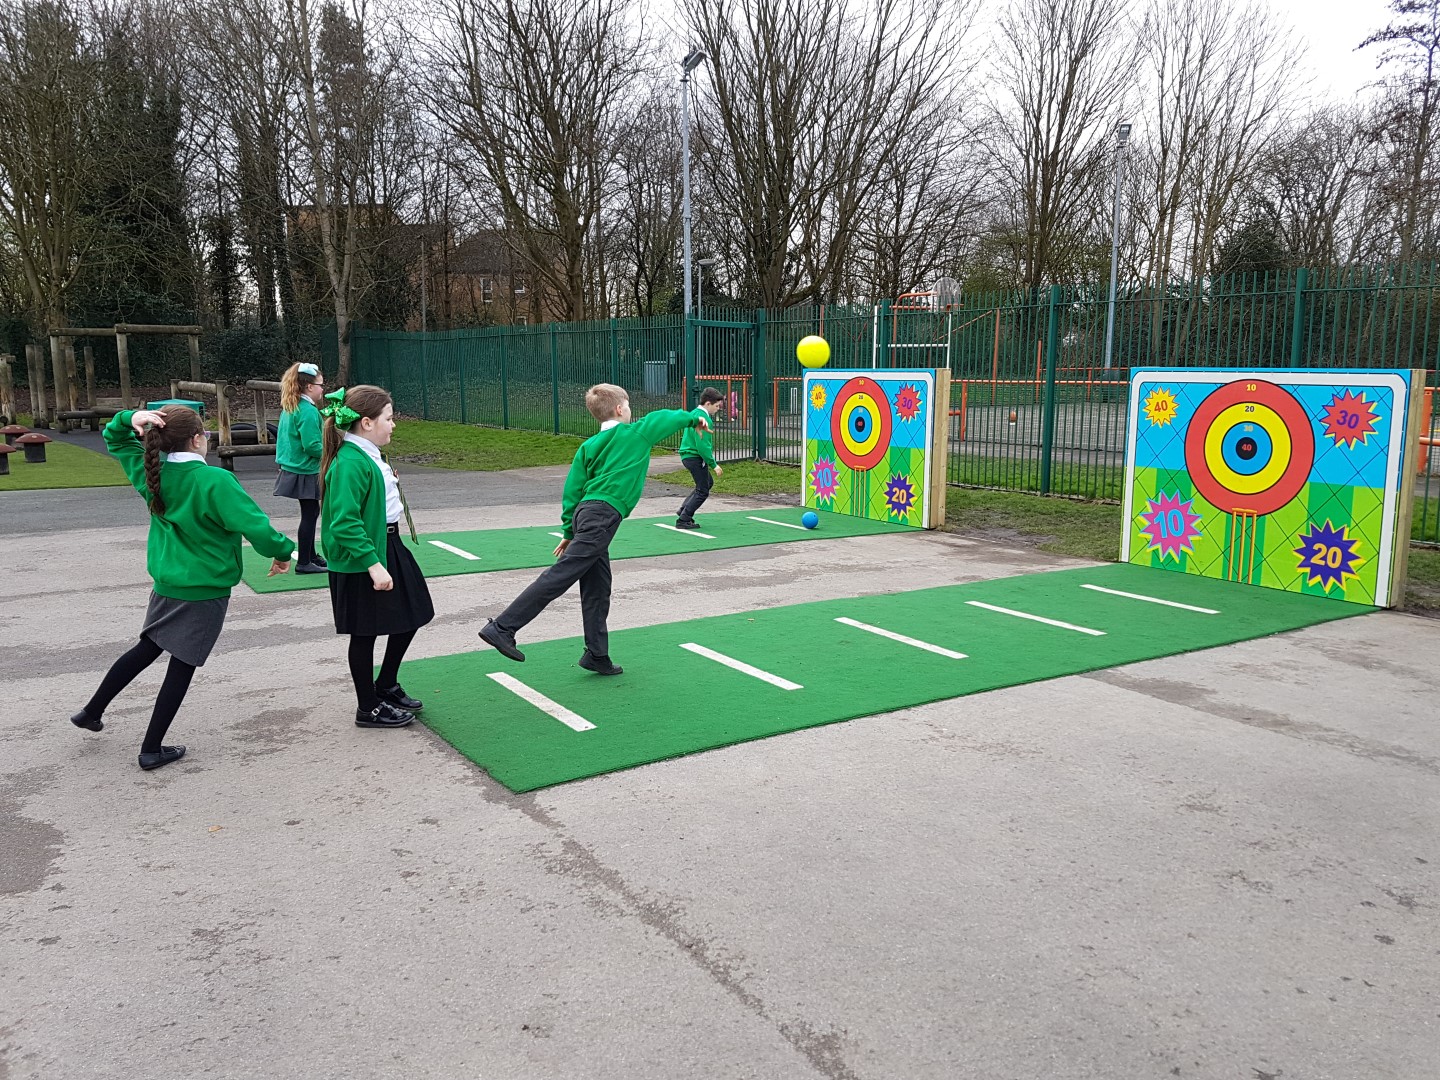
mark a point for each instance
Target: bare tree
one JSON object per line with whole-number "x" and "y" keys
{"x": 540, "y": 97}
{"x": 1411, "y": 50}
{"x": 1063, "y": 68}
{"x": 646, "y": 204}
{"x": 49, "y": 98}
{"x": 811, "y": 97}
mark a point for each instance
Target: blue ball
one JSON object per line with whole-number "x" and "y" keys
{"x": 810, "y": 519}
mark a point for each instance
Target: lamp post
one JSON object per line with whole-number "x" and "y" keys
{"x": 700, "y": 267}
{"x": 692, "y": 60}
{"x": 1122, "y": 138}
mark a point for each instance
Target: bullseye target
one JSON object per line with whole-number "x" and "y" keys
{"x": 860, "y": 424}
{"x": 1249, "y": 447}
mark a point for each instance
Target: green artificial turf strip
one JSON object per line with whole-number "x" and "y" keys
{"x": 65, "y": 466}
{"x": 671, "y": 702}
{"x": 514, "y": 549}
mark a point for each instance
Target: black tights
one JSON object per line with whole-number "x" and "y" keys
{"x": 167, "y": 703}
{"x": 362, "y": 663}
{"x": 309, "y": 515}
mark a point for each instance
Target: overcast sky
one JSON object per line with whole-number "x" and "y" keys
{"x": 1333, "y": 28}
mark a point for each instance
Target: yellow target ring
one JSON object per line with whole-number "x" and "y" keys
{"x": 862, "y": 441}
{"x": 1269, "y": 422}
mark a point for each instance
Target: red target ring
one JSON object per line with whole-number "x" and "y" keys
{"x": 1294, "y": 444}
{"x": 860, "y": 424}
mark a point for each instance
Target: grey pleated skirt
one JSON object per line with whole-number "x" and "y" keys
{"x": 186, "y": 629}
{"x": 289, "y": 485}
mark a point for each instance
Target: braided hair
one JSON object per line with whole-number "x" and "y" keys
{"x": 181, "y": 425}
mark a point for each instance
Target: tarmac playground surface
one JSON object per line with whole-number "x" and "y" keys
{"x": 1215, "y": 864}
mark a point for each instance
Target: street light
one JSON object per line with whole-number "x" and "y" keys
{"x": 1122, "y": 137}
{"x": 692, "y": 60}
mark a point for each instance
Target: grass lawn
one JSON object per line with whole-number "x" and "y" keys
{"x": 739, "y": 478}
{"x": 436, "y": 444}
{"x": 66, "y": 466}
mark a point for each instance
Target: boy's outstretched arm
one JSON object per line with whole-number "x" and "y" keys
{"x": 655, "y": 427}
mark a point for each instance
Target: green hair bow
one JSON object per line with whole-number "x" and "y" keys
{"x": 338, "y": 411}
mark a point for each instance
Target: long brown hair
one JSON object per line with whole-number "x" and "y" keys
{"x": 292, "y": 383}
{"x": 181, "y": 425}
{"x": 368, "y": 401}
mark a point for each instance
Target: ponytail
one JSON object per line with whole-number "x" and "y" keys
{"x": 331, "y": 440}
{"x": 296, "y": 378}
{"x": 181, "y": 425}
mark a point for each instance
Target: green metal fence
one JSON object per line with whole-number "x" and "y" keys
{"x": 1034, "y": 405}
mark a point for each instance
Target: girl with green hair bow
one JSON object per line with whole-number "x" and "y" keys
{"x": 376, "y": 587}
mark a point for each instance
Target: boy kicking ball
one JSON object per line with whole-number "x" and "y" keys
{"x": 605, "y": 482}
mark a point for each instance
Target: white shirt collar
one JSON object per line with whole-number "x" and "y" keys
{"x": 185, "y": 455}
{"x": 608, "y": 424}
{"x": 366, "y": 445}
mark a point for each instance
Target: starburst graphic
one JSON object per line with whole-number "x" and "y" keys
{"x": 1160, "y": 407}
{"x": 817, "y": 396}
{"x": 823, "y": 480}
{"x": 907, "y": 402}
{"x": 1171, "y": 524}
{"x": 1328, "y": 555}
{"x": 899, "y": 495}
{"x": 1350, "y": 419}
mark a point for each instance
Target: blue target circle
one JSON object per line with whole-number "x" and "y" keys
{"x": 861, "y": 424}
{"x": 1247, "y": 448}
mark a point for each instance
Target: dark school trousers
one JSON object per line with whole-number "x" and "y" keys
{"x": 704, "y": 481}
{"x": 586, "y": 560}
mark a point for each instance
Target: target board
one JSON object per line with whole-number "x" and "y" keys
{"x": 1290, "y": 479}
{"x": 871, "y": 448}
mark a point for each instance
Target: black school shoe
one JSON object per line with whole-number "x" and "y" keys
{"x": 384, "y": 715}
{"x": 500, "y": 641}
{"x": 601, "y": 665}
{"x": 316, "y": 567}
{"x": 395, "y": 695}
{"x": 683, "y": 523}
{"x": 166, "y": 755}
{"x": 82, "y": 719}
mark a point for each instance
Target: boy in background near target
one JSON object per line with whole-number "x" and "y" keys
{"x": 197, "y": 515}
{"x": 697, "y": 454}
{"x": 298, "y": 448}
{"x": 604, "y": 484}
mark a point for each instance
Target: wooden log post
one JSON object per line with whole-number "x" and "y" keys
{"x": 122, "y": 355}
{"x": 35, "y": 365}
{"x": 57, "y": 365}
{"x": 193, "y": 340}
{"x": 7, "y": 389}
{"x": 72, "y": 373}
{"x": 89, "y": 377}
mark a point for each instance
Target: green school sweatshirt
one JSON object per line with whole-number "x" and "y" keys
{"x": 699, "y": 442}
{"x": 611, "y": 465}
{"x": 352, "y": 512}
{"x": 297, "y": 443}
{"x": 193, "y": 552}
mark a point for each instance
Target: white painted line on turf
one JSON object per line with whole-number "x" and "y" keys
{"x": 1036, "y": 618}
{"x": 786, "y": 524}
{"x": 740, "y": 665}
{"x": 672, "y": 528}
{"x": 561, "y": 535}
{"x": 455, "y": 551}
{"x": 1152, "y": 599}
{"x": 571, "y": 720}
{"x": 902, "y": 638}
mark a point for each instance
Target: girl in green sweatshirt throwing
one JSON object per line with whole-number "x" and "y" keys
{"x": 376, "y": 587}
{"x": 297, "y": 453}
{"x": 198, "y": 513}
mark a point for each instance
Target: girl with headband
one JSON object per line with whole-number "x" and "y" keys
{"x": 198, "y": 513}
{"x": 297, "y": 453}
{"x": 376, "y": 588}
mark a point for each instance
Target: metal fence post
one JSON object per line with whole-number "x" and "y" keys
{"x": 615, "y": 351}
{"x": 1047, "y": 420}
{"x": 554, "y": 383}
{"x": 1297, "y": 323}
{"x": 504, "y": 381}
{"x": 460, "y": 369}
{"x": 759, "y": 398}
{"x": 687, "y": 365}
{"x": 424, "y": 378}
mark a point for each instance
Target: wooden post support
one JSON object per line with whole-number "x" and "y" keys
{"x": 194, "y": 342}
{"x": 262, "y": 430}
{"x": 122, "y": 354}
{"x": 1400, "y": 565}
{"x": 937, "y": 488}
{"x": 57, "y": 365}
{"x": 72, "y": 374}
{"x": 35, "y": 365}
{"x": 89, "y": 377}
{"x": 7, "y": 389}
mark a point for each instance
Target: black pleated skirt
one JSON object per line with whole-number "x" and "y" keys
{"x": 360, "y": 609}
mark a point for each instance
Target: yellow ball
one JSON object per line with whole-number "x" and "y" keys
{"x": 813, "y": 351}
